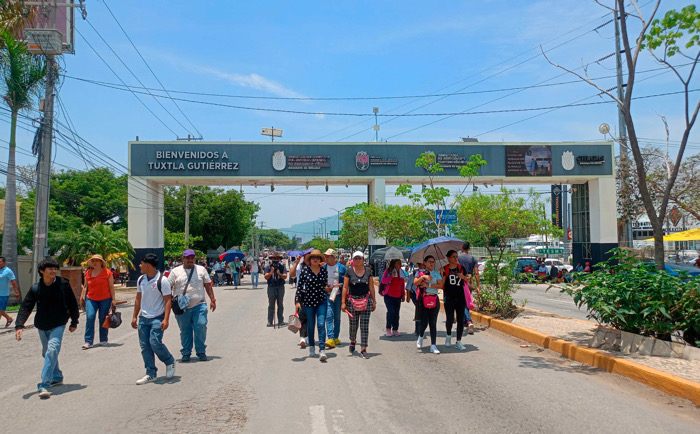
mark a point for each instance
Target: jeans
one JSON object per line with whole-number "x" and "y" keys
{"x": 254, "y": 279}
{"x": 316, "y": 316}
{"x": 333, "y": 315}
{"x": 92, "y": 309}
{"x": 275, "y": 295}
{"x": 151, "y": 342}
{"x": 393, "y": 306}
{"x": 50, "y": 347}
{"x": 453, "y": 306}
{"x": 467, "y": 316}
{"x": 236, "y": 279}
{"x": 193, "y": 322}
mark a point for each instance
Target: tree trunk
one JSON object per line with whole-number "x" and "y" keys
{"x": 9, "y": 233}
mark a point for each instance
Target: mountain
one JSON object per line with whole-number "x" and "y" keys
{"x": 306, "y": 230}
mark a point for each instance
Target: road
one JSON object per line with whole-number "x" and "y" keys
{"x": 258, "y": 380}
{"x": 549, "y": 301}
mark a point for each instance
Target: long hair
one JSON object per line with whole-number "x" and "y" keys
{"x": 392, "y": 264}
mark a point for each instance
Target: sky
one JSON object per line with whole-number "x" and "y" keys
{"x": 347, "y": 50}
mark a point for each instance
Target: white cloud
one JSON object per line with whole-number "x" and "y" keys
{"x": 252, "y": 80}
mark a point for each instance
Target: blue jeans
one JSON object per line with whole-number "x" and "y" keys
{"x": 193, "y": 323}
{"x": 236, "y": 279}
{"x": 151, "y": 342}
{"x": 393, "y": 306}
{"x": 467, "y": 316}
{"x": 333, "y": 315}
{"x": 254, "y": 279}
{"x": 316, "y": 316}
{"x": 98, "y": 309}
{"x": 50, "y": 347}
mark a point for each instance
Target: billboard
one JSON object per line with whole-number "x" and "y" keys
{"x": 65, "y": 23}
{"x": 557, "y": 210}
{"x": 529, "y": 160}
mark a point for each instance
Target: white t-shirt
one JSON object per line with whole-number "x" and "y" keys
{"x": 254, "y": 267}
{"x": 332, "y": 274}
{"x": 195, "y": 290}
{"x": 299, "y": 265}
{"x": 152, "y": 303}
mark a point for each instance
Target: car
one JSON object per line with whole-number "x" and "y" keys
{"x": 548, "y": 262}
{"x": 677, "y": 269}
{"x": 523, "y": 262}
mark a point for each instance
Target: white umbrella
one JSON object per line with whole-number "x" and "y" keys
{"x": 436, "y": 247}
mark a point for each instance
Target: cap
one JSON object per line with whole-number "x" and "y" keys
{"x": 330, "y": 252}
{"x": 188, "y": 252}
{"x": 358, "y": 253}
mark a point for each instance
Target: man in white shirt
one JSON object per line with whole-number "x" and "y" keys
{"x": 192, "y": 280}
{"x": 336, "y": 276}
{"x": 152, "y": 317}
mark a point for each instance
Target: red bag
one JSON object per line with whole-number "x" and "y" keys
{"x": 359, "y": 304}
{"x": 430, "y": 301}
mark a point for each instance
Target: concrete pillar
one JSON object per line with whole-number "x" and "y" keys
{"x": 376, "y": 194}
{"x": 146, "y": 220}
{"x": 603, "y": 217}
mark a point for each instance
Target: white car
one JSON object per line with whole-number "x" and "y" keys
{"x": 558, "y": 263}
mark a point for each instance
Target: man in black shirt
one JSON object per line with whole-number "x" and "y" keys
{"x": 471, "y": 267}
{"x": 275, "y": 274}
{"x": 55, "y": 304}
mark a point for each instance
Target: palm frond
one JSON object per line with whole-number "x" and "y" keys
{"x": 21, "y": 73}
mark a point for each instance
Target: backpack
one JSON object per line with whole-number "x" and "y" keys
{"x": 410, "y": 285}
{"x": 160, "y": 285}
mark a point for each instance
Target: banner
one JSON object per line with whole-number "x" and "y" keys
{"x": 557, "y": 210}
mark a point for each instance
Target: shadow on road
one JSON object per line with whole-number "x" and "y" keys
{"x": 162, "y": 381}
{"x": 566, "y": 365}
{"x": 58, "y": 390}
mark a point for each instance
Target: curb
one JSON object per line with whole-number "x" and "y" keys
{"x": 668, "y": 383}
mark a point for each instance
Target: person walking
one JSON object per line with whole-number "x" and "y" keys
{"x": 194, "y": 282}
{"x": 55, "y": 305}
{"x": 254, "y": 273}
{"x": 275, "y": 275}
{"x": 313, "y": 282}
{"x": 229, "y": 273}
{"x": 411, "y": 296}
{"x": 453, "y": 290}
{"x": 336, "y": 275}
{"x": 471, "y": 269}
{"x": 97, "y": 298}
{"x": 152, "y": 317}
{"x": 7, "y": 277}
{"x": 395, "y": 284}
{"x": 359, "y": 300}
{"x": 236, "y": 272}
{"x": 428, "y": 282}
{"x": 301, "y": 263}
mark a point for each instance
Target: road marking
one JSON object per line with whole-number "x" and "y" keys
{"x": 318, "y": 419}
{"x": 12, "y": 390}
{"x": 338, "y": 420}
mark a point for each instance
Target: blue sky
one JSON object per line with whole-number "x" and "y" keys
{"x": 346, "y": 49}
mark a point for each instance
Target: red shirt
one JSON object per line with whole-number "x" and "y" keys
{"x": 98, "y": 286}
{"x": 394, "y": 285}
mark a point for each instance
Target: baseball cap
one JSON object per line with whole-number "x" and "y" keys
{"x": 358, "y": 253}
{"x": 330, "y": 252}
{"x": 188, "y": 252}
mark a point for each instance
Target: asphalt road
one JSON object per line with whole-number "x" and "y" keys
{"x": 259, "y": 380}
{"x": 552, "y": 301}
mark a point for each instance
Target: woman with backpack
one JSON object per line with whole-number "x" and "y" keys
{"x": 97, "y": 298}
{"x": 393, "y": 291}
{"x": 359, "y": 300}
{"x": 453, "y": 278}
{"x": 427, "y": 284}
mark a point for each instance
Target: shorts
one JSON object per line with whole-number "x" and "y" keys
{"x": 3, "y": 302}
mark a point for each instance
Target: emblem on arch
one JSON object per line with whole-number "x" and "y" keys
{"x": 362, "y": 161}
{"x": 279, "y": 160}
{"x": 568, "y": 160}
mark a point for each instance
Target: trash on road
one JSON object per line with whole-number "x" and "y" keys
{"x": 525, "y": 346}
{"x": 576, "y": 365}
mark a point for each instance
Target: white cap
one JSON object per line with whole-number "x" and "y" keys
{"x": 358, "y": 253}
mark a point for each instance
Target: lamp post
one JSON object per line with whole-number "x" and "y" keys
{"x": 338, "y": 221}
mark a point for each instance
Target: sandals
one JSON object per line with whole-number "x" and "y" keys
{"x": 87, "y": 346}
{"x": 9, "y": 321}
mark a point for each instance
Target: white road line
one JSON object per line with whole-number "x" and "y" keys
{"x": 338, "y": 419}
{"x": 318, "y": 419}
{"x": 11, "y": 390}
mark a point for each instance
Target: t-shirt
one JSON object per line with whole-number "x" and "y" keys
{"x": 152, "y": 303}
{"x": 359, "y": 285}
{"x": 454, "y": 285}
{"x": 235, "y": 267}
{"x": 394, "y": 284}
{"x": 195, "y": 290}
{"x": 254, "y": 268}
{"x": 332, "y": 274}
{"x": 6, "y": 276}
{"x": 98, "y": 286}
{"x": 468, "y": 262}
{"x": 275, "y": 281}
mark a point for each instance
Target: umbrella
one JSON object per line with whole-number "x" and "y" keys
{"x": 436, "y": 247}
{"x": 389, "y": 253}
{"x": 689, "y": 235}
{"x": 293, "y": 253}
{"x": 230, "y": 255}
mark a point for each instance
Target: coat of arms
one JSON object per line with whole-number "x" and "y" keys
{"x": 279, "y": 160}
{"x": 362, "y": 161}
{"x": 568, "y": 160}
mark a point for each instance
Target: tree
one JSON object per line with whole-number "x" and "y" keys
{"x": 74, "y": 247}
{"x": 432, "y": 199}
{"x": 22, "y": 76}
{"x": 175, "y": 244}
{"x": 356, "y": 221}
{"x": 675, "y": 36}
{"x": 15, "y": 16}
{"x": 275, "y": 238}
{"x": 319, "y": 243}
{"x": 400, "y": 225}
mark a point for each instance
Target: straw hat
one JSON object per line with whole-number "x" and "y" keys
{"x": 316, "y": 253}
{"x": 97, "y": 258}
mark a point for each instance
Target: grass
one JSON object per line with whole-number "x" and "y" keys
{"x": 14, "y": 308}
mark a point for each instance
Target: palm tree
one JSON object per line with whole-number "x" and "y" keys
{"x": 14, "y": 16}
{"x": 21, "y": 79}
{"x": 75, "y": 247}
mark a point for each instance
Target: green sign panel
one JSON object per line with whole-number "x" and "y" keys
{"x": 335, "y": 232}
{"x": 551, "y": 251}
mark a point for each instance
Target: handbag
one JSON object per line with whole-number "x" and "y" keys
{"x": 113, "y": 319}
{"x": 294, "y": 323}
{"x": 359, "y": 304}
{"x": 430, "y": 301}
{"x": 175, "y": 305}
{"x": 468, "y": 297}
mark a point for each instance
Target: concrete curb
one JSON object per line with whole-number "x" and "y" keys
{"x": 660, "y": 380}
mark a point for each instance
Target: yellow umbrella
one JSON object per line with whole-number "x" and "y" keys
{"x": 689, "y": 235}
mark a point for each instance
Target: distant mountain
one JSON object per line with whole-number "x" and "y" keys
{"x": 307, "y": 230}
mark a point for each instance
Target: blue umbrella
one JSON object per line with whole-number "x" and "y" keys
{"x": 230, "y": 255}
{"x": 293, "y": 253}
{"x": 436, "y": 247}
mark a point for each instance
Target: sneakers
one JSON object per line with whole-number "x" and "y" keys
{"x": 281, "y": 324}
{"x": 323, "y": 357}
{"x": 470, "y": 328}
{"x": 302, "y": 342}
{"x": 144, "y": 380}
{"x": 396, "y": 333}
{"x": 330, "y": 343}
{"x": 55, "y": 383}
{"x": 337, "y": 342}
{"x": 44, "y": 393}
{"x": 419, "y": 342}
{"x": 87, "y": 346}
{"x": 202, "y": 357}
{"x": 352, "y": 347}
{"x": 312, "y": 351}
{"x": 459, "y": 346}
{"x": 448, "y": 341}
{"x": 170, "y": 370}
{"x": 269, "y": 324}
{"x": 388, "y": 333}
{"x": 434, "y": 350}
{"x": 363, "y": 354}
{"x": 185, "y": 358}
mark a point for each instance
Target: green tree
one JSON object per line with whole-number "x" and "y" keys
{"x": 399, "y": 225}
{"x": 319, "y": 243}
{"x": 21, "y": 80}
{"x": 275, "y": 238}
{"x": 175, "y": 244}
{"x": 15, "y": 16}
{"x": 74, "y": 247}
{"x": 356, "y": 221}
{"x": 434, "y": 198}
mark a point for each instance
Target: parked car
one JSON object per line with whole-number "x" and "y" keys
{"x": 677, "y": 269}
{"x": 548, "y": 262}
{"x": 524, "y": 262}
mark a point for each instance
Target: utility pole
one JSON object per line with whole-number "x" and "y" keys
{"x": 187, "y": 217}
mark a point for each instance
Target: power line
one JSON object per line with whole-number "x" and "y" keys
{"x": 149, "y": 67}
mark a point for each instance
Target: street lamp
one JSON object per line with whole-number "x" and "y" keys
{"x": 338, "y": 221}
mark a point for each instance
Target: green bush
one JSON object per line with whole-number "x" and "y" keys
{"x": 498, "y": 283}
{"x": 628, "y": 295}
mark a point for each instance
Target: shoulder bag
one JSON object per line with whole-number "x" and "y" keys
{"x": 175, "y": 305}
